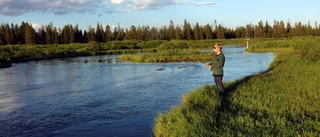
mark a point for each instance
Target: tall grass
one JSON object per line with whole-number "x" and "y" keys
{"x": 283, "y": 101}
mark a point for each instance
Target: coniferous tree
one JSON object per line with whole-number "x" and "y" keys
{"x": 91, "y": 34}
{"x": 78, "y": 36}
{"x": 220, "y": 32}
{"x": 208, "y": 32}
{"x": 171, "y": 30}
{"x": 178, "y": 33}
{"x": 132, "y": 33}
{"x": 99, "y": 33}
{"x": 309, "y": 31}
{"x": 197, "y": 32}
{"x": 275, "y": 30}
{"x": 2, "y": 39}
{"x": 41, "y": 36}
{"x": 49, "y": 39}
{"x": 259, "y": 30}
{"x": 71, "y": 34}
{"x": 55, "y": 36}
{"x": 190, "y": 32}
{"x": 282, "y": 30}
{"x": 249, "y": 33}
{"x": 8, "y": 34}
{"x": 139, "y": 34}
{"x": 115, "y": 33}
{"x": 289, "y": 30}
{"x": 154, "y": 33}
{"x": 21, "y": 33}
{"x": 14, "y": 31}
{"x": 229, "y": 33}
{"x": 86, "y": 36}
{"x": 278, "y": 30}
{"x": 64, "y": 35}
{"x": 240, "y": 32}
{"x": 201, "y": 33}
{"x": 120, "y": 35}
{"x": 163, "y": 33}
{"x": 146, "y": 33}
{"x": 29, "y": 35}
{"x": 299, "y": 30}
{"x": 317, "y": 29}
{"x": 187, "y": 30}
{"x": 268, "y": 30}
{"x": 67, "y": 34}
{"x": 108, "y": 34}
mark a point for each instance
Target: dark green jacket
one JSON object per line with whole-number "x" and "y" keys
{"x": 217, "y": 64}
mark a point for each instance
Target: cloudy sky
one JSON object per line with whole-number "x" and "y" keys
{"x": 157, "y": 13}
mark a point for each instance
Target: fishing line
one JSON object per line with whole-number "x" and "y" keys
{"x": 58, "y": 105}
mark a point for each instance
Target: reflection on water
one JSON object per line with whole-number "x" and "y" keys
{"x": 64, "y": 97}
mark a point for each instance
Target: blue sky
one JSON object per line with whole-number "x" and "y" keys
{"x": 157, "y": 13}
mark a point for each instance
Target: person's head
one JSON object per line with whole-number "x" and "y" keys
{"x": 217, "y": 47}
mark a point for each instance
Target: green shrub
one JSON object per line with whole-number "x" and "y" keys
{"x": 310, "y": 49}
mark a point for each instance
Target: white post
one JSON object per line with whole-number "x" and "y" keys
{"x": 248, "y": 42}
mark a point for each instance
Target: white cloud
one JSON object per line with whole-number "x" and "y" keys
{"x": 19, "y": 7}
{"x": 132, "y": 5}
{"x": 201, "y": 3}
{"x": 36, "y": 26}
{"x": 4, "y": 1}
{"x": 117, "y": 1}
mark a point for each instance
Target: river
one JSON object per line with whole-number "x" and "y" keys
{"x": 67, "y": 97}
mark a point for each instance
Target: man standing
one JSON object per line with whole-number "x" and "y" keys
{"x": 216, "y": 66}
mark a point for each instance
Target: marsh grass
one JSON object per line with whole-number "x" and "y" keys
{"x": 283, "y": 101}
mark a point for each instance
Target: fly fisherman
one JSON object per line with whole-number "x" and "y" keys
{"x": 216, "y": 66}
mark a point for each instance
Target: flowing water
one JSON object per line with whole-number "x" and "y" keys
{"x": 67, "y": 97}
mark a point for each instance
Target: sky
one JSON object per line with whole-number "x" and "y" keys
{"x": 157, "y": 13}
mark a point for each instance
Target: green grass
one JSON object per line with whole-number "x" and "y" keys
{"x": 283, "y": 101}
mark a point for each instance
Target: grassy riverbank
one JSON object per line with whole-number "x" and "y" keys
{"x": 283, "y": 101}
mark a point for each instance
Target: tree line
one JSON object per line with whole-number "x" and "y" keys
{"x": 46, "y": 35}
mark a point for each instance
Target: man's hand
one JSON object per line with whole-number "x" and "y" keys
{"x": 208, "y": 66}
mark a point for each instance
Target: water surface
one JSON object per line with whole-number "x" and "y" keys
{"x": 66, "y": 97}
